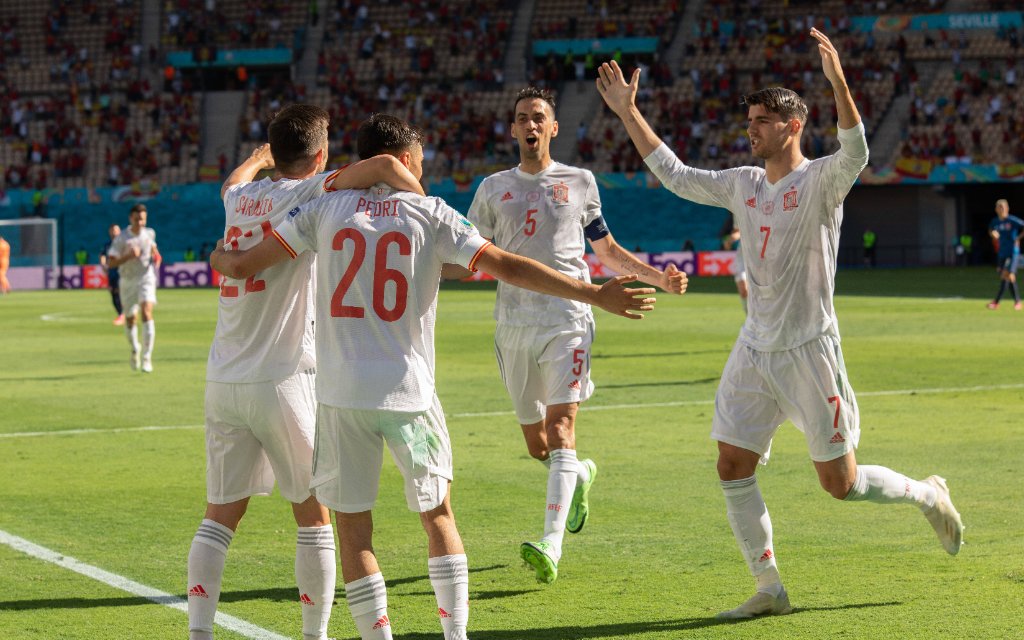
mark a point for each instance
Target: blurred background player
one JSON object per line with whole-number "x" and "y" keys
{"x": 731, "y": 242}
{"x": 543, "y": 210}
{"x": 787, "y": 362}
{"x": 375, "y": 345}
{"x": 260, "y": 403}
{"x": 1006, "y": 231}
{"x": 135, "y": 254}
{"x": 5, "y": 263}
{"x": 113, "y": 275}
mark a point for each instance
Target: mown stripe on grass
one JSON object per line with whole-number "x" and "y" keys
{"x": 604, "y": 407}
{"x": 231, "y": 623}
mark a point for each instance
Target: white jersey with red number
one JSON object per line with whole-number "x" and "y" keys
{"x": 265, "y": 323}
{"x": 143, "y": 268}
{"x": 540, "y": 216}
{"x": 790, "y": 233}
{"x": 379, "y": 265}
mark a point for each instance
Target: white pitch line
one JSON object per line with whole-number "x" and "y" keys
{"x": 74, "y": 432}
{"x": 231, "y": 623}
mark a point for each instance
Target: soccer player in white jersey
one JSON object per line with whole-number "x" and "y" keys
{"x": 134, "y": 254}
{"x": 260, "y": 404}
{"x": 543, "y": 210}
{"x": 787, "y": 362}
{"x": 380, "y": 254}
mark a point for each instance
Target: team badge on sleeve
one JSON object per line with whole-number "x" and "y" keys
{"x": 560, "y": 193}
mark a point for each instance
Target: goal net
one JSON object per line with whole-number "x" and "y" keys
{"x": 33, "y": 241}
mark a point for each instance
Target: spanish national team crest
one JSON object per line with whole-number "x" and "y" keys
{"x": 560, "y": 193}
{"x": 789, "y": 201}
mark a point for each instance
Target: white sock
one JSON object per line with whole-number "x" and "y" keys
{"x": 752, "y": 527}
{"x": 133, "y": 336}
{"x": 561, "y": 485}
{"x": 368, "y": 603}
{"x": 880, "y": 484}
{"x": 148, "y": 336}
{"x": 582, "y": 472}
{"x": 315, "y": 574}
{"x": 449, "y": 575}
{"x": 205, "y": 570}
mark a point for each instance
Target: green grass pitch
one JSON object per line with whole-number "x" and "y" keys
{"x": 940, "y": 389}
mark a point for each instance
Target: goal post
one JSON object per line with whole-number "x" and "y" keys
{"x": 33, "y": 241}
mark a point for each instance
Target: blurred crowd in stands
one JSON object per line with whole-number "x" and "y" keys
{"x": 85, "y": 103}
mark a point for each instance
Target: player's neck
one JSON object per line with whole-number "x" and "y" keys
{"x": 782, "y": 164}
{"x": 534, "y": 166}
{"x": 135, "y": 229}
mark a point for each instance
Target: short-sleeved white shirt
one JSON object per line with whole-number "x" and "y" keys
{"x": 265, "y": 323}
{"x": 135, "y": 270}
{"x": 790, "y": 233}
{"x": 379, "y": 266}
{"x": 540, "y": 216}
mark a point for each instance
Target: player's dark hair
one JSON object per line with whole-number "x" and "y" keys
{"x": 296, "y": 133}
{"x": 785, "y": 102}
{"x": 382, "y": 133}
{"x": 534, "y": 92}
{"x": 138, "y": 206}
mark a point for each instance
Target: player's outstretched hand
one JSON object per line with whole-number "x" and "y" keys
{"x": 829, "y": 59}
{"x": 617, "y": 93}
{"x": 673, "y": 280}
{"x": 616, "y": 298}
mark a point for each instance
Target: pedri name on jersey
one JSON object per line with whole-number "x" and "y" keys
{"x": 254, "y": 208}
{"x": 377, "y": 208}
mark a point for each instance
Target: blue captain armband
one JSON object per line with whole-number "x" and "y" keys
{"x": 596, "y": 230}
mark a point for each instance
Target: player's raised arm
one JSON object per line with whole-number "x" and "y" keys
{"x": 620, "y": 97}
{"x": 366, "y": 173}
{"x": 259, "y": 159}
{"x": 849, "y": 117}
{"x": 242, "y": 263}
{"x": 523, "y": 272}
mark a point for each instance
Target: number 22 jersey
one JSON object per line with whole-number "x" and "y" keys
{"x": 265, "y": 323}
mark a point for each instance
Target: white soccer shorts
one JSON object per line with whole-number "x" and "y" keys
{"x": 134, "y": 292}
{"x": 350, "y": 452}
{"x": 256, "y": 432}
{"x": 542, "y": 366}
{"x": 807, "y": 385}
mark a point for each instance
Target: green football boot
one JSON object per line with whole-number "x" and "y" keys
{"x": 536, "y": 554}
{"x": 580, "y": 507}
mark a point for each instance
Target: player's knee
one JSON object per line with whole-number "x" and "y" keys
{"x": 560, "y": 433}
{"x": 734, "y": 468}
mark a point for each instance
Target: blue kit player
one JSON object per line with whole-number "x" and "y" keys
{"x": 1007, "y": 231}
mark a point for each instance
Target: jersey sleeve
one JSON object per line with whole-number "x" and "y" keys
{"x": 458, "y": 240}
{"x": 297, "y": 232}
{"x": 592, "y": 203}
{"x": 480, "y": 212}
{"x": 713, "y": 188}
{"x": 841, "y": 169}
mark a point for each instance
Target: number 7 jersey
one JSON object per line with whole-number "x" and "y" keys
{"x": 264, "y": 323}
{"x": 790, "y": 233}
{"x": 379, "y": 257}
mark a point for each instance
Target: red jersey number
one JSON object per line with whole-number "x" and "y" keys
{"x": 767, "y": 231}
{"x": 382, "y": 275}
{"x": 252, "y": 285}
{"x": 530, "y": 227}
